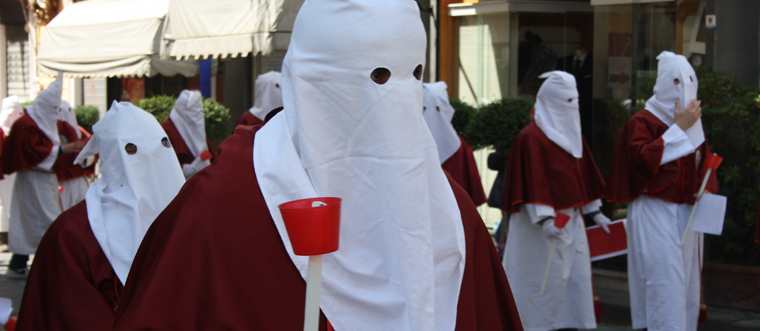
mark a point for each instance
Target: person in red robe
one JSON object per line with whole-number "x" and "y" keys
{"x": 658, "y": 167}
{"x": 32, "y": 150}
{"x": 455, "y": 154}
{"x": 187, "y": 132}
{"x": 11, "y": 111}
{"x": 268, "y": 97}
{"x": 72, "y": 177}
{"x": 550, "y": 170}
{"x": 414, "y": 253}
{"x": 84, "y": 257}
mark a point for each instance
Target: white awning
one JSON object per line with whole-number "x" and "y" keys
{"x": 103, "y": 38}
{"x": 221, "y": 28}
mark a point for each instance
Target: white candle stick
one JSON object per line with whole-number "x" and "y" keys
{"x": 548, "y": 266}
{"x": 313, "y": 284}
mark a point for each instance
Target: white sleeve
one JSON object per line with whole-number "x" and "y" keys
{"x": 591, "y": 207}
{"x": 677, "y": 145}
{"x": 537, "y": 212}
{"x": 47, "y": 164}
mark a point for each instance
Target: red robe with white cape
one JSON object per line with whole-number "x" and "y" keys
{"x": 36, "y": 203}
{"x": 214, "y": 260}
{"x": 657, "y": 169}
{"x": 542, "y": 179}
{"x": 71, "y": 176}
{"x": 72, "y": 286}
{"x": 184, "y": 154}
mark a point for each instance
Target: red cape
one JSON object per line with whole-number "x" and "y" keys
{"x": 248, "y": 119}
{"x": 72, "y": 286}
{"x": 464, "y": 171}
{"x": 541, "y": 172}
{"x": 636, "y": 165}
{"x": 26, "y": 146}
{"x": 214, "y": 260}
{"x": 64, "y": 166}
{"x": 180, "y": 147}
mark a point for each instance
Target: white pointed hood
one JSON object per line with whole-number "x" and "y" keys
{"x": 438, "y": 114}
{"x": 268, "y": 94}
{"x": 45, "y": 108}
{"x": 10, "y": 113}
{"x": 666, "y": 93}
{"x": 557, "y": 113}
{"x": 402, "y": 249}
{"x": 189, "y": 120}
{"x": 67, "y": 115}
{"x": 140, "y": 176}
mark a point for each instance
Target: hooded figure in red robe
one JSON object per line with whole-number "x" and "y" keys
{"x": 11, "y": 111}
{"x": 186, "y": 128}
{"x": 550, "y": 170}
{"x": 658, "y": 167}
{"x": 268, "y": 98}
{"x": 33, "y": 150}
{"x": 72, "y": 177}
{"x": 414, "y": 253}
{"x": 85, "y": 256}
{"x": 455, "y": 154}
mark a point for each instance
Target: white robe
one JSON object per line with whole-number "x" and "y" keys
{"x": 568, "y": 301}
{"x": 6, "y": 195}
{"x": 663, "y": 277}
{"x": 73, "y": 192}
{"x": 35, "y": 205}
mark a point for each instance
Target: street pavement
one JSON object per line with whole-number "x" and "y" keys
{"x": 616, "y": 315}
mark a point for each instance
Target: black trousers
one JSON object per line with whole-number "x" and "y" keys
{"x": 18, "y": 261}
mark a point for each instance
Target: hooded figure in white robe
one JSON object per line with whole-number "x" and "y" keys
{"x": 359, "y": 135}
{"x": 187, "y": 116}
{"x": 663, "y": 275}
{"x": 555, "y": 140}
{"x": 438, "y": 114}
{"x": 11, "y": 111}
{"x": 72, "y": 190}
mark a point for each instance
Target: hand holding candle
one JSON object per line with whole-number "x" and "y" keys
{"x": 559, "y": 222}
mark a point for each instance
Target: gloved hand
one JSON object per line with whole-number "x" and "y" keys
{"x": 190, "y": 169}
{"x": 550, "y": 230}
{"x": 603, "y": 222}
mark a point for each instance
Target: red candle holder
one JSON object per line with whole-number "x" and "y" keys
{"x": 312, "y": 230}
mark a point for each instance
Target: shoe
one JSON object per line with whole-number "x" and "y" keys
{"x": 17, "y": 273}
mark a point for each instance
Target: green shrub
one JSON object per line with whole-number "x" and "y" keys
{"x": 87, "y": 116}
{"x": 158, "y": 106}
{"x": 217, "y": 121}
{"x": 497, "y": 124}
{"x": 731, "y": 119}
{"x": 217, "y": 116}
{"x": 463, "y": 112}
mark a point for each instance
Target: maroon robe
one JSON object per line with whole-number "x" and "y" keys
{"x": 636, "y": 165}
{"x": 248, "y": 119}
{"x": 464, "y": 171}
{"x": 757, "y": 229}
{"x": 64, "y": 166}
{"x": 180, "y": 147}
{"x": 71, "y": 286}
{"x": 541, "y": 172}
{"x": 25, "y": 148}
{"x": 214, "y": 260}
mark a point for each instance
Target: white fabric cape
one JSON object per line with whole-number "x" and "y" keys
{"x": 557, "y": 113}
{"x": 187, "y": 117}
{"x": 568, "y": 300}
{"x": 401, "y": 258}
{"x": 133, "y": 189}
{"x": 438, "y": 114}
{"x": 268, "y": 94}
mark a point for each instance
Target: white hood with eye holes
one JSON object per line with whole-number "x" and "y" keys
{"x": 402, "y": 251}
{"x": 438, "y": 114}
{"x": 666, "y": 93}
{"x": 187, "y": 116}
{"x": 268, "y": 94}
{"x": 557, "y": 113}
{"x": 134, "y": 188}
{"x": 67, "y": 115}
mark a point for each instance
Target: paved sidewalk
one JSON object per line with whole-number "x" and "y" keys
{"x": 11, "y": 288}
